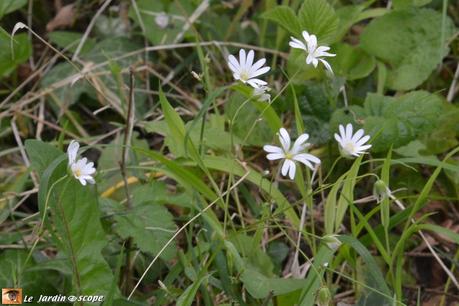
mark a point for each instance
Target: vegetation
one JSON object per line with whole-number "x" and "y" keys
{"x": 150, "y": 157}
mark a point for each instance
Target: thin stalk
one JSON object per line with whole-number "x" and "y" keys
{"x": 124, "y": 157}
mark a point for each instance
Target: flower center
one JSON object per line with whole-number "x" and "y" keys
{"x": 349, "y": 147}
{"x": 244, "y": 75}
{"x": 77, "y": 172}
{"x": 288, "y": 155}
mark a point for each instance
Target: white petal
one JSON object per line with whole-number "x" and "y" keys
{"x": 284, "y": 139}
{"x": 286, "y": 167}
{"x": 272, "y": 149}
{"x": 348, "y": 131}
{"x": 306, "y": 36}
{"x": 90, "y": 179}
{"x": 82, "y": 181}
{"x": 304, "y": 161}
{"x": 326, "y": 54}
{"x": 296, "y": 43}
{"x": 249, "y": 60}
{"x": 82, "y": 162}
{"x": 275, "y": 156}
{"x": 312, "y": 43}
{"x": 363, "y": 140}
{"x": 259, "y": 72}
{"x": 242, "y": 60}
{"x": 322, "y": 49}
{"x": 300, "y": 143}
{"x": 342, "y": 132}
{"x": 309, "y": 59}
{"x": 232, "y": 66}
{"x": 258, "y": 64}
{"x": 89, "y": 171}
{"x": 255, "y": 83}
{"x": 327, "y": 65}
{"x": 357, "y": 135}
{"x": 306, "y": 158}
{"x": 338, "y": 138}
{"x": 291, "y": 173}
{"x": 315, "y": 62}
{"x": 364, "y": 148}
{"x": 72, "y": 151}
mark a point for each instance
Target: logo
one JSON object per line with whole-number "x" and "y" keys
{"x": 11, "y": 296}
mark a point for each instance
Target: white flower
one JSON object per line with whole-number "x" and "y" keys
{"x": 261, "y": 93}
{"x": 245, "y": 70}
{"x": 81, "y": 169}
{"x": 290, "y": 154}
{"x": 162, "y": 20}
{"x": 351, "y": 145}
{"x": 314, "y": 51}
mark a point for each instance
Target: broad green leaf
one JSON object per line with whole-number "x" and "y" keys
{"x": 11, "y": 58}
{"x": 34, "y": 278}
{"x": 8, "y": 6}
{"x": 415, "y": 44}
{"x": 314, "y": 102}
{"x": 70, "y": 40}
{"x": 79, "y": 234}
{"x": 266, "y": 111}
{"x": 252, "y": 254}
{"x": 285, "y": 17}
{"x": 259, "y": 286}
{"x": 175, "y": 124}
{"x": 347, "y": 15}
{"x": 105, "y": 50}
{"x": 74, "y": 222}
{"x": 41, "y": 154}
{"x": 352, "y": 62}
{"x": 149, "y": 223}
{"x": 445, "y": 136}
{"x": 403, "y": 4}
{"x": 319, "y": 18}
{"x": 246, "y": 124}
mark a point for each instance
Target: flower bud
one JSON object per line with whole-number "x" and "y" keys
{"x": 380, "y": 191}
{"x": 323, "y": 297}
{"x": 162, "y": 20}
{"x": 332, "y": 242}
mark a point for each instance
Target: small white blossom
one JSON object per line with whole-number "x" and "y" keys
{"x": 351, "y": 145}
{"x": 162, "y": 20}
{"x": 81, "y": 169}
{"x": 261, "y": 94}
{"x": 245, "y": 70}
{"x": 291, "y": 154}
{"x": 314, "y": 51}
